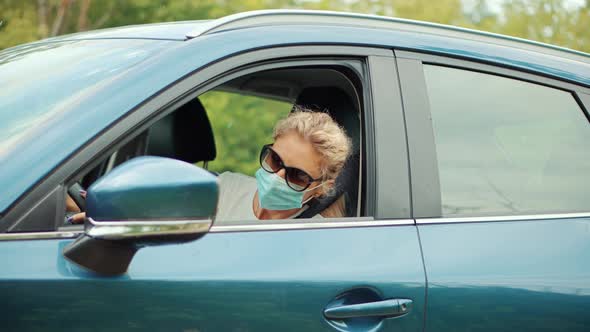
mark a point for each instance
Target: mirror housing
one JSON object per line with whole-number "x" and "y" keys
{"x": 144, "y": 201}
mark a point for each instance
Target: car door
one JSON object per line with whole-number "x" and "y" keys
{"x": 505, "y": 224}
{"x": 250, "y": 276}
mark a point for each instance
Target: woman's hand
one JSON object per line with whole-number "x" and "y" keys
{"x": 77, "y": 219}
{"x": 71, "y": 206}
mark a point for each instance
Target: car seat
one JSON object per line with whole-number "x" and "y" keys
{"x": 345, "y": 111}
{"x": 185, "y": 134}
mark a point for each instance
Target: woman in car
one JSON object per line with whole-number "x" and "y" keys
{"x": 308, "y": 153}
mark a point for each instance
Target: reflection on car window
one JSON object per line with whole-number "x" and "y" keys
{"x": 506, "y": 146}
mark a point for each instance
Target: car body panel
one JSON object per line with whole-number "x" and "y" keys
{"x": 254, "y": 281}
{"x": 107, "y": 103}
{"x": 528, "y": 275}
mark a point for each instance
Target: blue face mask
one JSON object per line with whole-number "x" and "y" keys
{"x": 275, "y": 194}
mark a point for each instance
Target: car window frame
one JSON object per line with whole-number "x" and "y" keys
{"x": 425, "y": 183}
{"x": 585, "y": 102}
{"x": 145, "y": 114}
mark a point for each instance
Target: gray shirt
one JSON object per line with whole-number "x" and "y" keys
{"x": 236, "y": 194}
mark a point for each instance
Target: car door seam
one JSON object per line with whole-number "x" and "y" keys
{"x": 425, "y": 279}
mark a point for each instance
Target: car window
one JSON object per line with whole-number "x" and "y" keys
{"x": 241, "y": 125}
{"x": 243, "y": 113}
{"x": 224, "y": 130}
{"x": 506, "y": 146}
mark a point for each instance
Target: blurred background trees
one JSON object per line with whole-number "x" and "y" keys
{"x": 561, "y": 22}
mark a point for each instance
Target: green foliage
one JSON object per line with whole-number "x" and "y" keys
{"x": 241, "y": 125}
{"x": 559, "y": 22}
{"x": 548, "y": 21}
{"x": 26, "y": 21}
{"x": 18, "y": 23}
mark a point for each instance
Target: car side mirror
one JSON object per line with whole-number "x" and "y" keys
{"x": 142, "y": 202}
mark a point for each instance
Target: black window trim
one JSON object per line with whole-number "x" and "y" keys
{"x": 393, "y": 169}
{"x": 584, "y": 101}
{"x": 424, "y": 177}
{"x": 198, "y": 82}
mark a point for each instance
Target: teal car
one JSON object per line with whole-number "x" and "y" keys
{"x": 467, "y": 191}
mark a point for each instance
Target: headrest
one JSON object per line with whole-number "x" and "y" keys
{"x": 338, "y": 104}
{"x": 345, "y": 112}
{"x": 185, "y": 135}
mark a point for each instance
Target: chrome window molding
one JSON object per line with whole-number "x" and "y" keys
{"x": 271, "y": 226}
{"x": 280, "y": 226}
{"x": 41, "y": 235}
{"x": 118, "y": 230}
{"x": 450, "y": 220}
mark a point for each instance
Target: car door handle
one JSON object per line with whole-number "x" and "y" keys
{"x": 385, "y": 308}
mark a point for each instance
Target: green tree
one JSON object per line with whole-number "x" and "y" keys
{"x": 25, "y": 21}
{"x": 18, "y": 23}
{"x": 551, "y": 21}
{"x": 548, "y": 21}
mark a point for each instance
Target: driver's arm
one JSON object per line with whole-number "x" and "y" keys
{"x": 71, "y": 205}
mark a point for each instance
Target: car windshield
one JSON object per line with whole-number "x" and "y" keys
{"x": 41, "y": 84}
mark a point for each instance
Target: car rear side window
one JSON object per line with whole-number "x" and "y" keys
{"x": 506, "y": 146}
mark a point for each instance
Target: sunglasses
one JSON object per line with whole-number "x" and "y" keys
{"x": 296, "y": 178}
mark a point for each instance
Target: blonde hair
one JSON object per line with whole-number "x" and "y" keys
{"x": 324, "y": 134}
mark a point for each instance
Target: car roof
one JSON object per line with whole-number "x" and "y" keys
{"x": 289, "y": 17}
{"x": 184, "y": 30}
{"x": 166, "y": 31}
{"x": 550, "y": 60}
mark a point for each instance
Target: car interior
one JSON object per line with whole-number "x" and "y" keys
{"x": 186, "y": 134}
